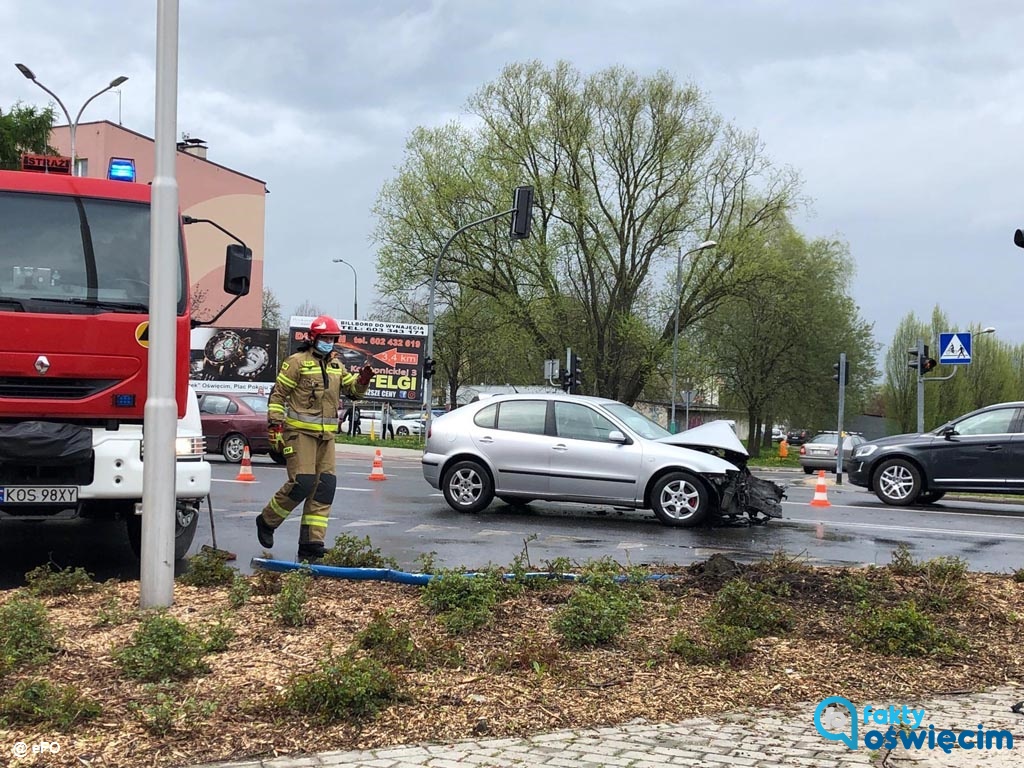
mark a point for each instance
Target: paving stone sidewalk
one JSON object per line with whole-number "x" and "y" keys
{"x": 757, "y": 738}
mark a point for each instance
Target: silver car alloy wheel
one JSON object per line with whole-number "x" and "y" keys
{"x": 465, "y": 486}
{"x": 680, "y": 500}
{"x": 234, "y": 448}
{"x": 896, "y": 482}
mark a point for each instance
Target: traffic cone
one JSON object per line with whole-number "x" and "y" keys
{"x": 378, "y": 467}
{"x": 820, "y": 492}
{"x": 245, "y": 471}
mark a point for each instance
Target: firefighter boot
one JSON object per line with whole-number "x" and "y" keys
{"x": 264, "y": 533}
{"x": 312, "y": 551}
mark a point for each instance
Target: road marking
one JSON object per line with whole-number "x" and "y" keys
{"x": 909, "y": 529}
{"x": 367, "y": 523}
{"x": 219, "y": 480}
{"x": 917, "y": 510}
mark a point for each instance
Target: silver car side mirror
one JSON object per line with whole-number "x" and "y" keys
{"x": 615, "y": 436}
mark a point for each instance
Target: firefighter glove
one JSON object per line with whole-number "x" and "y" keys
{"x": 364, "y": 375}
{"x": 275, "y": 433}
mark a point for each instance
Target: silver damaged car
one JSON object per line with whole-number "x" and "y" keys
{"x": 592, "y": 450}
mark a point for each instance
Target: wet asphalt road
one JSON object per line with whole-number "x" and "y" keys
{"x": 406, "y": 519}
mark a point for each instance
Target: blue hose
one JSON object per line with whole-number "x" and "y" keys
{"x": 401, "y": 577}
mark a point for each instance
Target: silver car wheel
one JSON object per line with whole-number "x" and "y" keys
{"x": 465, "y": 486}
{"x": 898, "y": 482}
{"x": 233, "y": 448}
{"x": 679, "y": 499}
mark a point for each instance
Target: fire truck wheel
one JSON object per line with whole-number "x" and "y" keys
{"x": 185, "y": 523}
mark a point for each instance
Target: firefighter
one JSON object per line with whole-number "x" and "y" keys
{"x": 302, "y": 420}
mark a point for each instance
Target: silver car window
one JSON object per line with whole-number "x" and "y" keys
{"x": 485, "y": 416}
{"x": 214, "y": 404}
{"x": 990, "y": 423}
{"x": 578, "y": 422}
{"x": 523, "y": 416}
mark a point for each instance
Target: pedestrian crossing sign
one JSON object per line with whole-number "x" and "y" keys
{"x": 955, "y": 348}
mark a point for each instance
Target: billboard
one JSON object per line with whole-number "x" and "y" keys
{"x": 233, "y": 359}
{"x": 395, "y": 351}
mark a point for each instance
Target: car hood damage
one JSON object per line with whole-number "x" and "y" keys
{"x": 744, "y": 499}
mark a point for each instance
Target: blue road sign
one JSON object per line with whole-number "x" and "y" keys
{"x": 955, "y": 348}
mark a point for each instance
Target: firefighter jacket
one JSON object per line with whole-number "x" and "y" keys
{"x": 307, "y": 391}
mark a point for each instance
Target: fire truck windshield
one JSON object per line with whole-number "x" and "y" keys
{"x": 60, "y": 253}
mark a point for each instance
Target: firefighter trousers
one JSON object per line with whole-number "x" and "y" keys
{"x": 310, "y": 461}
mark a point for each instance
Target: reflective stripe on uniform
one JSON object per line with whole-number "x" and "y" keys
{"x": 311, "y": 426}
{"x": 278, "y": 509}
{"x": 285, "y": 382}
{"x": 316, "y": 521}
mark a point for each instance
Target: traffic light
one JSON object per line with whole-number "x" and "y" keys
{"x": 928, "y": 363}
{"x": 576, "y": 374}
{"x": 566, "y": 380}
{"x": 428, "y": 368}
{"x": 921, "y": 365}
{"x": 846, "y": 372}
{"x": 522, "y": 213}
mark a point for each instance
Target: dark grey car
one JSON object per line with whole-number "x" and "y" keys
{"x": 982, "y": 451}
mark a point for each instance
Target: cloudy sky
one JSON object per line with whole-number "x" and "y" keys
{"x": 904, "y": 118}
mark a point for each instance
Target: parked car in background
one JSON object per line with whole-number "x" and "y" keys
{"x": 778, "y": 434}
{"x": 981, "y": 451}
{"x": 232, "y": 421}
{"x": 798, "y": 436}
{"x": 822, "y": 451}
{"x": 592, "y": 450}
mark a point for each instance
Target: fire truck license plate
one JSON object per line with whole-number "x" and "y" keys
{"x": 27, "y": 494}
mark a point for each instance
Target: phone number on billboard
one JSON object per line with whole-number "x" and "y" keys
{"x": 381, "y": 341}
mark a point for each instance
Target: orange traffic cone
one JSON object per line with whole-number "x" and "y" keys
{"x": 820, "y": 492}
{"x": 245, "y": 471}
{"x": 378, "y": 467}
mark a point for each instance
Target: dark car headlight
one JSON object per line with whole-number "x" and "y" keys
{"x": 862, "y": 452}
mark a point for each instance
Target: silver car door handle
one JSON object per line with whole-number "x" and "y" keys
{"x": 560, "y": 447}
{"x": 487, "y": 440}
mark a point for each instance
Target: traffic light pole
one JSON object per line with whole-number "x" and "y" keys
{"x": 842, "y": 406}
{"x": 920, "y": 387}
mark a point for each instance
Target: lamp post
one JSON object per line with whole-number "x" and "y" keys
{"x": 675, "y": 336}
{"x": 72, "y": 124}
{"x": 355, "y": 288}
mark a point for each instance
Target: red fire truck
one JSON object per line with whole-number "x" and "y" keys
{"x": 74, "y": 309}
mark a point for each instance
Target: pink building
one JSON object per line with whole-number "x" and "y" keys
{"x": 205, "y": 190}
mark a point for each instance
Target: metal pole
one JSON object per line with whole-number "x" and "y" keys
{"x": 156, "y": 582}
{"x": 355, "y": 288}
{"x": 842, "y": 404}
{"x": 673, "y": 427}
{"x": 428, "y": 386}
{"x": 689, "y": 394}
{"x": 920, "y": 387}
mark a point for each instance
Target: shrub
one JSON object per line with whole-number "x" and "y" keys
{"x": 903, "y": 563}
{"x": 1018, "y": 575}
{"x": 529, "y": 651}
{"x": 944, "y": 582}
{"x": 164, "y": 713}
{"x": 208, "y": 569}
{"x": 39, "y": 702}
{"x": 390, "y": 643}
{"x": 858, "y": 586}
{"x": 596, "y": 614}
{"x": 343, "y": 688}
{"x": 462, "y": 602}
{"x": 112, "y": 612}
{"x": 240, "y": 591}
{"x": 266, "y": 582}
{"x": 218, "y": 636}
{"x": 723, "y": 643}
{"x": 352, "y": 552}
{"x": 162, "y": 648}
{"x": 48, "y": 580}
{"x": 902, "y": 630}
{"x": 290, "y": 603}
{"x": 739, "y": 604}
{"x": 26, "y": 635}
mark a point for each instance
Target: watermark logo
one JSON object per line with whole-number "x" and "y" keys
{"x": 21, "y": 749}
{"x": 838, "y": 719}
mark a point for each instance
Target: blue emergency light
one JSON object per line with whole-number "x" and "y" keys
{"x": 121, "y": 169}
{"x": 124, "y": 401}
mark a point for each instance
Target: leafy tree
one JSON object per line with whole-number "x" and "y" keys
{"x": 24, "y": 129}
{"x": 625, "y": 169}
{"x": 309, "y": 309}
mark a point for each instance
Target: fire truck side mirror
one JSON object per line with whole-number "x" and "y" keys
{"x": 237, "y": 270}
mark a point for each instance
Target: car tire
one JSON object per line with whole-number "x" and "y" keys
{"x": 808, "y": 470}
{"x": 930, "y": 497}
{"x": 233, "y": 447}
{"x": 185, "y": 525}
{"x": 402, "y": 431}
{"x": 277, "y": 457}
{"x": 897, "y": 482}
{"x": 467, "y": 486}
{"x": 681, "y": 500}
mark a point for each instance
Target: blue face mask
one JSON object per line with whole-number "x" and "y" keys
{"x": 323, "y": 347}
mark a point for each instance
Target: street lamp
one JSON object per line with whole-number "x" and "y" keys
{"x": 72, "y": 124}
{"x": 675, "y": 336}
{"x": 355, "y": 288}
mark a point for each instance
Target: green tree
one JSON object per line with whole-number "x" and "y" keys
{"x": 271, "y": 310}
{"x": 24, "y": 129}
{"x": 625, "y": 169}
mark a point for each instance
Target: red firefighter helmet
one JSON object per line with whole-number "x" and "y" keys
{"x": 323, "y": 326}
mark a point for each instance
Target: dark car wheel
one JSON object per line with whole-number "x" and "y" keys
{"x": 233, "y": 447}
{"x": 515, "y": 501}
{"x": 277, "y": 457}
{"x": 402, "y": 431}
{"x": 681, "y": 500}
{"x": 897, "y": 482}
{"x": 186, "y": 520}
{"x": 808, "y": 470}
{"x": 930, "y": 497}
{"x": 468, "y": 486}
